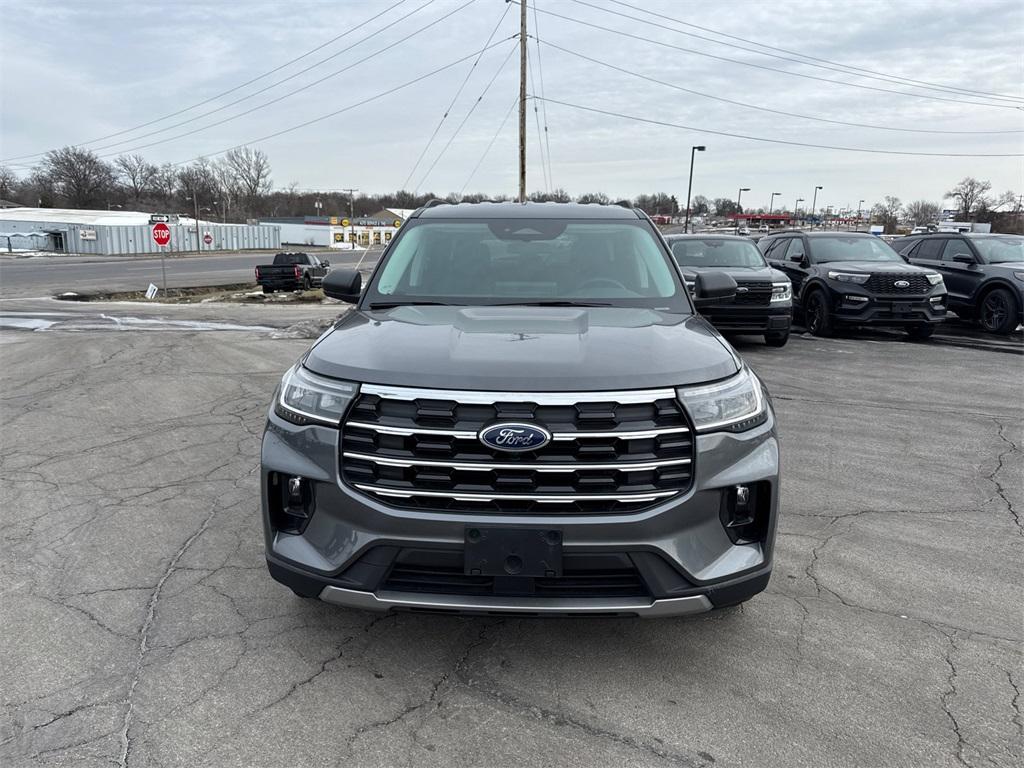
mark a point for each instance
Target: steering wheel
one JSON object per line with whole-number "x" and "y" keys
{"x": 605, "y": 281}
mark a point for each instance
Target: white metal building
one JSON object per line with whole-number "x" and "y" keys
{"x": 124, "y": 233}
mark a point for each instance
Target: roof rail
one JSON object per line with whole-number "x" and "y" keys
{"x": 434, "y": 202}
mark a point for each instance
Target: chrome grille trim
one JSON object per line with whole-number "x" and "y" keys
{"x": 625, "y": 397}
{"x": 465, "y": 435}
{"x": 539, "y": 467}
{"x": 543, "y": 499}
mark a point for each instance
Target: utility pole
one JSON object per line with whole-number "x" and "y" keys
{"x": 351, "y": 217}
{"x": 814, "y": 201}
{"x": 522, "y": 101}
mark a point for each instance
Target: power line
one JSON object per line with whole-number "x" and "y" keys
{"x": 543, "y": 104}
{"x": 296, "y": 90}
{"x": 747, "y": 137}
{"x": 765, "y": 109}
{"x": 350, "y": 107}
{"x": 465, "y": 119}
{"x": 487, "y": 151}
{"x": 540, "y": 137}
{"x": 455, "y": 98}
{"x": 269, "y": 72}
{"x": 766, "y": 68}
{"x": 845, "y": 67}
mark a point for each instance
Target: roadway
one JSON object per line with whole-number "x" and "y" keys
{"x": 50, "y": 275}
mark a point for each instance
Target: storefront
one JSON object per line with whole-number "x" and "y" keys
{"x": 366, "y": 231}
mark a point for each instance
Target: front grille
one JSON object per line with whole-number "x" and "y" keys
{"x": 757, "y": 293}
{"x": 885, "y": 283}
{"x": 610, "y": 452}
{"x": 583, "y": 575}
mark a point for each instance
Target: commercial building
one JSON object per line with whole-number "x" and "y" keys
{"x": 340, "y": 231}
{"x": 124, "y": 233}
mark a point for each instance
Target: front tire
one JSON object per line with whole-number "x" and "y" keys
{"x": 307, "y": 283}
{"x": 776, "y": 339}
{"x": 920, "y": 332}
{"x": 818, "y": 316}
{"x": 267, "y": 289}
{"x": 998, "y": 312}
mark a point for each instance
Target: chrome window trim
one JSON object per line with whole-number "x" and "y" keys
{"x": 539, "y": 467}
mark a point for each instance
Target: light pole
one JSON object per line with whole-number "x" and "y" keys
{"x": 796, "y": 206}
{"x": 859, "y": 204}
{"x": 195, "y": 203}
{"x": 689, "y": 187}
{"x": 739, "y": 208}
{"x": 771, "y": 204}
{"x": 318, "y": 206}
{"x": 814, "y": 202}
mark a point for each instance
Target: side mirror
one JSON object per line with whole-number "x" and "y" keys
{"x": 325, "y": 263}
{"x": 963, "y": 258}
{"x": 797, "y": 258}
{"x": 343, "y": 284}
{"x": 713, "y": 287}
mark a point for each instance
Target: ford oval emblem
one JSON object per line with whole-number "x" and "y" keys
{"x": 902, "y": 284}
{"x": 515, "y": 437}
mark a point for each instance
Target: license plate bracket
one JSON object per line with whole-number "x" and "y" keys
{"x": 535, "y": 552}
{"x": 902, "y": 307}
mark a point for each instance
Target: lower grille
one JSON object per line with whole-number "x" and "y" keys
{"x": 885, "y": 283}
{"x": 611, "y": 452}
{"x": 756, "y": 293}
{"x": 583, "y": 575}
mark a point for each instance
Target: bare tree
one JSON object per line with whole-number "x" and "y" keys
{"x": 8, "y": 182}
{"x": 887, "y": 213}
{"x": 922, "y": 211}
{"x": 594, "y": 197}
{"x": 78, "y": 175}
{"x": 138, "y": 174}
{"x": 229, "y": 189}
{"x": 252, "y": 172}
{"x": 165, "y": 182}
{"x": 970, "y": 195}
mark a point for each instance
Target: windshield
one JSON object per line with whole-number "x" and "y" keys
{"x": 528, "y": 261}
{"x": 839, "y": 248}
{"x": 716, "y": 253}
{"x": 1000, "y": 250}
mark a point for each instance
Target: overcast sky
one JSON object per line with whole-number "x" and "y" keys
{"x": 76, "y": 71}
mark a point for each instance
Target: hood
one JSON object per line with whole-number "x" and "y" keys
{"x": 876, "y": 267}
{"x": 523, "y": 348}
{"x": 748, "y": 274}
{"x": 1004, "y": 268}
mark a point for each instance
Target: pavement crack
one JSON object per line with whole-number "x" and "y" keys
{"x": 993, "y": 476}
{"x": 949, "y": 694}
{"x": 1015, "y": 703}
{"x": 143, "y": 647}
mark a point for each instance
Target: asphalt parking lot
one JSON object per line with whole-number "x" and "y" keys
{"x": 139, "y": 627}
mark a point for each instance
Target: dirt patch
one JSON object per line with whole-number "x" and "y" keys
{"x": 240, "y": 293}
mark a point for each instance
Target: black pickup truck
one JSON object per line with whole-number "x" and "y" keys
{"x": 292, "y": 271}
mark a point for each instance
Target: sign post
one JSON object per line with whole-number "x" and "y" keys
{"x": 162, "y": 237}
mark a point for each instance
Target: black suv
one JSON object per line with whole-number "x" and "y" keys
{"x": 852, "y": 278}
{"x": 763, "y": 303}
{"x": 984, "y": 274}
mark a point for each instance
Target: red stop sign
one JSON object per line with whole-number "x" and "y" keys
{"x": 208, "y": 238}
{"x": 161, "y": 234}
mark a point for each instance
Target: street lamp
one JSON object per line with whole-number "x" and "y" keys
{"x": 814, "y": 202}
{"x": 739, "y": 208}
{"x": 319, "y": 206}
{"x": 771, "y": 204}
{"x": 689, "y": 187}
{"x": 859, "y": 204}
{"x": 796, "y": 206}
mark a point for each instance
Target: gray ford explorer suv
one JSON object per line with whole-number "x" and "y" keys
{"x": 522, "y": 414}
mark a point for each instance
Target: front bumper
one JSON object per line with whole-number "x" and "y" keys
{"x": 858, "y": 308}
{"x": 679, "y": 547}
{"x": 773, "y": 318}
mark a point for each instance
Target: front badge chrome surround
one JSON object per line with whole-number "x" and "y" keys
{"x": 514, "y": 437}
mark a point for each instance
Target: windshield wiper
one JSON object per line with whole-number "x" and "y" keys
{"x": 393, "y": 304}
{"x": 552, "y": 304}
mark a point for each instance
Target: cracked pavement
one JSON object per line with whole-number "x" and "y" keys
{"x": 138, "y": 625}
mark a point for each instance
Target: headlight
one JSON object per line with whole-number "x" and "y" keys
{"x": 848, "y": 277}
{"x": 934, "y": 279}
{"x": 732, "y": 405}
{"x": 782, "y": 291}
{"x": 1019, "y": 275}
{"x": 305, "y": 398}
